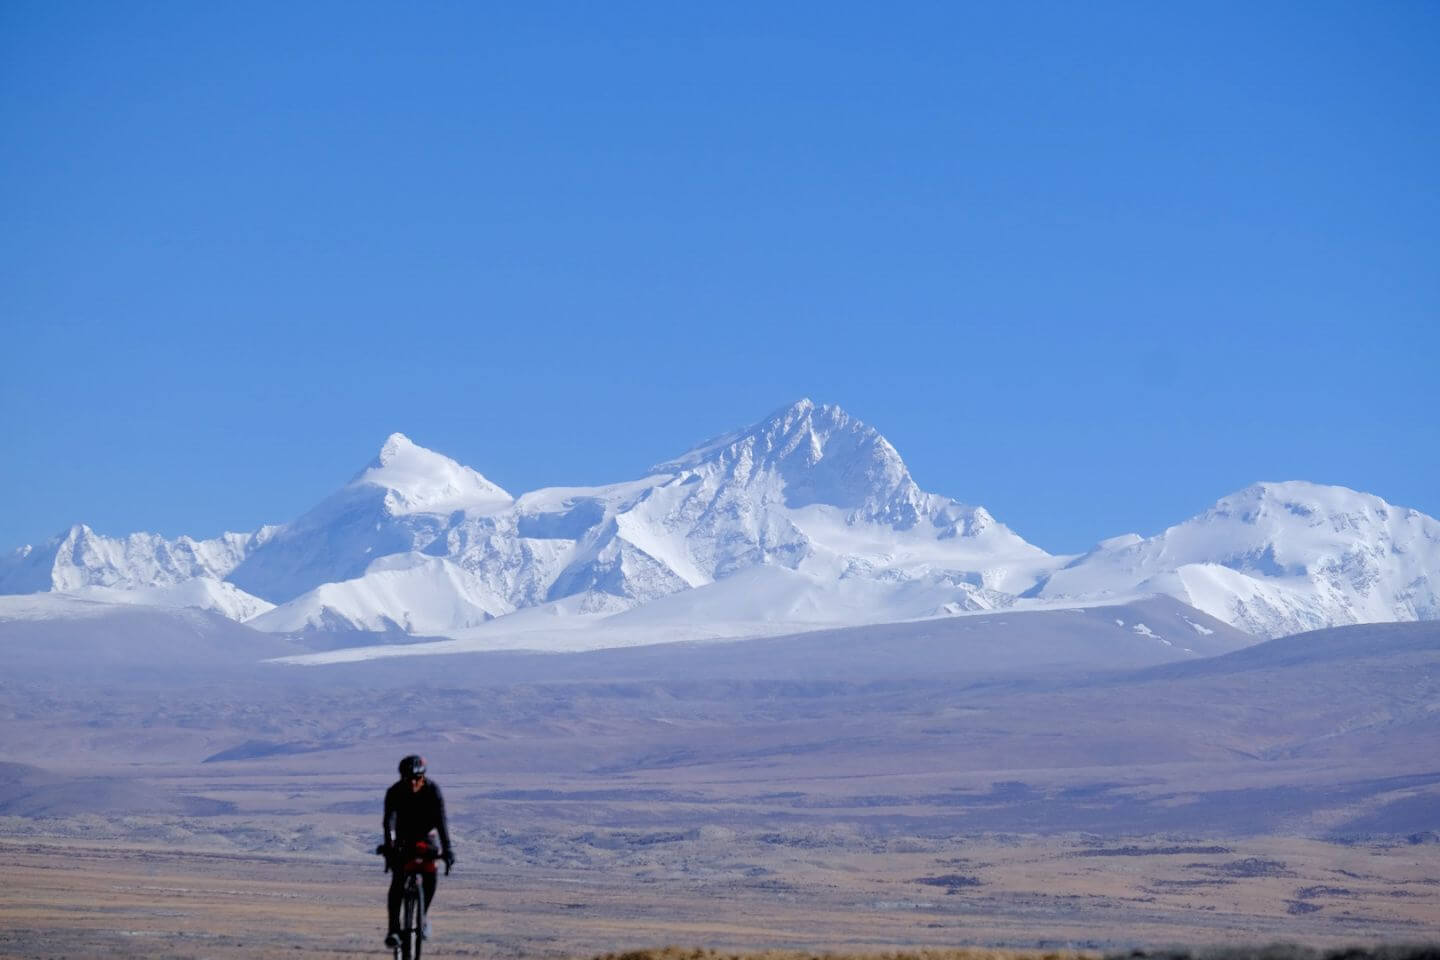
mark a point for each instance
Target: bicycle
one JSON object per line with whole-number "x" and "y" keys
{"x": 412, "y": 904}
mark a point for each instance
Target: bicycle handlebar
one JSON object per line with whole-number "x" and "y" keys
{"x": 383, "y": 850}
{"x": 388, "y": 852}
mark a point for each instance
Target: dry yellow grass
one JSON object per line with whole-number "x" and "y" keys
{"x": 974, "y": 953}
{"x": 1276, "y": 951}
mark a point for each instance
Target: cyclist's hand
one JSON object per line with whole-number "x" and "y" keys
{"x": 449, "y": 858}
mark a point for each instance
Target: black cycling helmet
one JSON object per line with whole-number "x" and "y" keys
{"x": 412, "y": 766}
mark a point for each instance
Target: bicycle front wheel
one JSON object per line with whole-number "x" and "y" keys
{"x": 410, "y": 922}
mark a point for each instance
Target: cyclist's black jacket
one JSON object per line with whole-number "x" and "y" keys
{"x": 410, "y": 815}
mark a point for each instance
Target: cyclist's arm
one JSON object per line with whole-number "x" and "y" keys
{"x": 387, "y": 822}
{"x": 441, "y": 825}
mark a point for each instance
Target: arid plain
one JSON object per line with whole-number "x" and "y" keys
{"x": 857, "y": 790}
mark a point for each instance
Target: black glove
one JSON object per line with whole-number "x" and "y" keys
{"x": 385, "y": 851}
{"x": 449, "y": 857}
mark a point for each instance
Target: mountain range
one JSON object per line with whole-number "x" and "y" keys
{"x": 808, "y": 518}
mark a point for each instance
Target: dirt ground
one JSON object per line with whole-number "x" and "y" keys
{"x": 73, "y": 899}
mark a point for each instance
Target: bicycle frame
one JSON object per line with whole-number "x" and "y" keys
{"x": 412, "y": 904}
{"x": 412, "y": 919}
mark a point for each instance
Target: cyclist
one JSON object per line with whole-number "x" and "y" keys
{"x": 413, "y": 810}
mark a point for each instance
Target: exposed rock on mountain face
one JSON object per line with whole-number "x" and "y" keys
{"x": 81, "y": 557}
{"x": 808, "y": 517}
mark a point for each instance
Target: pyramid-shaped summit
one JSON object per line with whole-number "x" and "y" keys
{"x": 817, "y": 454}
{"x": 397, "y": 504}
{"x": 418, "y": 480}
{"x": 799, "y": 490}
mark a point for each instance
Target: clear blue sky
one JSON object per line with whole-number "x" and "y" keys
{"x": 1090, "y": 265}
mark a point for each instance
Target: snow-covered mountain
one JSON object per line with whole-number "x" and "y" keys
{"x": 406, "y": 592}
{"x": 142, "y": 568}
{"x": 400, "y": 503}
{"x": 1275, "y": 559}
{"x": 206, "y": 593}
{"x": 808, "y": 489}
{"x": 809, "y": 517}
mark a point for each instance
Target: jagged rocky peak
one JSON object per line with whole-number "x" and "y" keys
{"x": 79, "y": 557}
{"x": 418, "y": 480}
{"x": 802, "y": 427}
{"x": 820, "y": 454}
{"x": 67, "y": 539}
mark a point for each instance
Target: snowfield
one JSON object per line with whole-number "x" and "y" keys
{"x": 809, "y": 518}
{"x": 1277, "y": 558}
